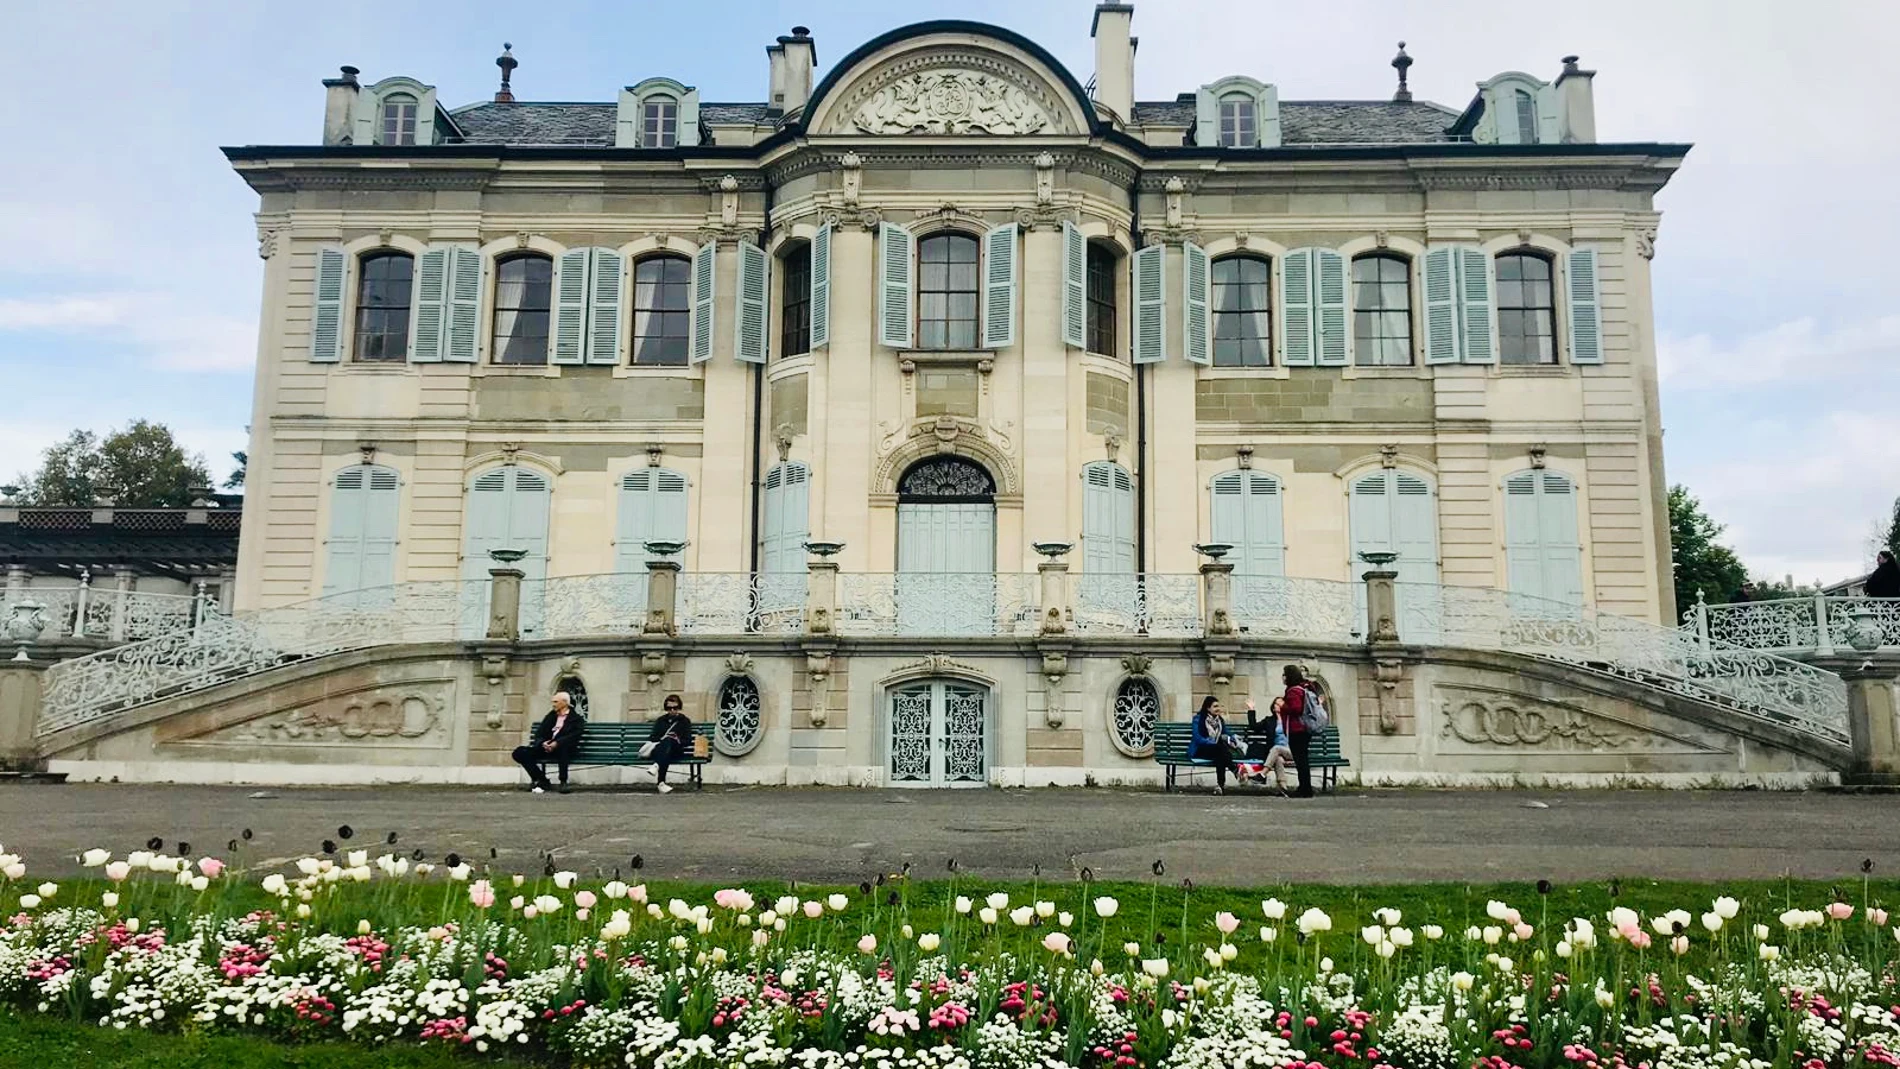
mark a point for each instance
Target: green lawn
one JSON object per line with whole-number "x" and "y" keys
{"x": 50, "y": 1043}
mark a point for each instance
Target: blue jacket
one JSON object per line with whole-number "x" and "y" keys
{"x": 1201, "y": 735}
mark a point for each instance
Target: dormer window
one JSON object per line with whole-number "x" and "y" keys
{"x": 1238, "y": 126}
{"x": 1526, "y": 118}
{"x": 659, "y": 122}
{"x": 399, "y": 119}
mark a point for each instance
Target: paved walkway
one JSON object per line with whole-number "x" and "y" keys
{"x": 843, "y": 835}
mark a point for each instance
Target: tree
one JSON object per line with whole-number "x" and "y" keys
{"x": 1887, "y": 535}
{"x": 236, "y": 481}
{"x": 1703, "y": 565}
{"x": 141, "y": 466}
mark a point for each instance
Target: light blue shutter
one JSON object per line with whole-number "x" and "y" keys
{"x": 1247, "y": 514}
{"x": 1474, "y": 285}
{"x": 1586, "y": 309}
{"x": 896, "y": 258}
{"x": 1075, "y": 297}
{"x": 1557, "y": 530}
{"x": 1296, "y": 297}
{"x": 1329, "y": 299}
{"x": 1195, "y": 337}
{"x": 1151, "y": 320}
{"x": 705, "y": 263}
{"x": 343, "y": 565}
{"x": 429, "y": 323}
{"x": 785, "y": 525}
{"x": 381, "y": 501}
{"x": 326, "y": 315}
{"x": 1108, "y": 520}
{"x": 463, "y": 317}
{"x": 820, "y": 288}
{"x": 1415, "y": 533}
{"x": 485, "y": 526}
{"x": 1442, "y": 342}
{"x": 508, "y": 509}
{"x": 568, "y": 341}
{"x": 999, "y": 287}
{"x": 652, "y": 508}
{"x": 1370, "y": 515}
{"x": 1523, "y": 548}
{"x": 1227, "y": 509}
{"x": 604, "y": 320}
{"x": 748, "y": 342}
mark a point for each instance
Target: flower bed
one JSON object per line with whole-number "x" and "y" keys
{"x": 894, "y": 973}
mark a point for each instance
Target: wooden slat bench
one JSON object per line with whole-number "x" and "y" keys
{"x": 1174, "y": 740}
{"x": 604, "y": 745}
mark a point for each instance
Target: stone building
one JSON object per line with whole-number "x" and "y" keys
{"x": 1007, "y": 352}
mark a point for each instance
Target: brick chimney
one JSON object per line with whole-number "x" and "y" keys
{"x": 339, "y": 106}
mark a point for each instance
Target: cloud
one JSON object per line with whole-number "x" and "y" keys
{"x": 169, "y": 338}
{"x": 1799, "y": 349}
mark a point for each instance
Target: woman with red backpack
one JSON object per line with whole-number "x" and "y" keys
{"x": 1299, "y": 730}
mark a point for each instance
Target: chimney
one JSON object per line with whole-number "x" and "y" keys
{"x": 1115, "y": 58}
{"x": 507, "y": 62}
{"x": 1577, "y": 97}
{"x": 775, "y": 62}
{"x": 339, "y": 106}
{"x": 800, "y": 57}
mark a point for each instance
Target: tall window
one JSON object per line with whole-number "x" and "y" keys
{"x": 1526, "y": 118}
{"x": 1527, "y": 314}
{"x": 946, "y": 292}
{"x": 1243, "y": 332}
{"x": 1540, "y": 537}
{"x": 383, "y": 288}
{"x": 1101, "y": 300}
{"x": 522, "y": 285}
{"x": 795, "y": 302}
{"x": 659, "y": 122}
{"x": 1382, "y": 311}
{"x": 399, "y": 119}
{"x": 662, "y": 310}
{"x": 1237, "y": 127}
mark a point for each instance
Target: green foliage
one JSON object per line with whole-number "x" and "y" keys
{"x": 30, "y": 1042}
{"x": 1887, "y": 535}
{"x": 236, "y": 481}
{"x": 1703, "y": 565}
{"x": 141, "y": 466}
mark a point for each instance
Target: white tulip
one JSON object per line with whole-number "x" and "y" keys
{"x": 986, "y": 915}
{"x": 963, "y": 904}
{"x": 1462, "y": 980}
{"x": 929, "y": 941}
{"x": 837, "y": 903}
{"x": 460, "y": 873}
{"x": 1229, "y": 952}
{"x": 1432, "y": 931}
{"x": 1496, "y": 910}
{"x": 199, "y": 883}
{"x": 1022, "y": 915}
{"x": 1133, "y": 950}
{"x": 1155, "y": 967}
{"x": 110, "y": 900}
{"x": 356, "y": 859}
{"x": 95, "y": 858}
{"x": 1769, "y": 952}
{"x": 1106, "y": 907}
{"x": 997, "y": 901}
{"x": 1712, "y": 921}
{"x": 1727, "y": 908}
{"x": 1386, "y": 949}
{"x": 565, "y": 880}
{"x": 29, "y": 901}
{"x": 1315, "y": 920}
{"x": 1401, "y": 937}
{"x": 1045, "y": 910}
{"x": 1268, "y": 935}
{"x": 1273, "y": 909}
{"x": 1372, "y": 934}
{"x": 1387, "y": 916}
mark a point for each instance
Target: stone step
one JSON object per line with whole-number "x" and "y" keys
{"x": 32, "y": 777}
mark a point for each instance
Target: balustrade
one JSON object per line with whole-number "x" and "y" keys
{"x": 1819, "y": 624}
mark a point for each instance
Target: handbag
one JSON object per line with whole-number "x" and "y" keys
{"x": 647, "y": 748}
{"x": 702, "y": 747}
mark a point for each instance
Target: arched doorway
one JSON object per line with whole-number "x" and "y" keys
{"x": 938, "y": 734}
{"x": 946, "y": 548}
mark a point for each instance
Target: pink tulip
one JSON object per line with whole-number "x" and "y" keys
{"x": 1877, "y": 916}
{"x": 1522, "y": 931}
{"x": 210, "y": 866}
{"x": 1680, "y": 944}
{"x": 1056, "y": 942}
{"x": 1639, "y": 939}
{"x": 481, "y": 894}
{"x": 1226, "y": 922}
{"x": 585, "y": 899}
{"x": 581, "y": 913}
{"x": 118, "y": 871}
{"x": 814, "y": 910}
{"x": 1513, "y": 918}
{"x": 867, "y": 945}
{"x": 1840, "y": 911}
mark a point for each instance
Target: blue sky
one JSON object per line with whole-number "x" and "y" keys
{"x": 132, "y": 282}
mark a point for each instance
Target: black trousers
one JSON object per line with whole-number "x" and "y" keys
{"x": 665, "y": 752}
{"x": 1222, "y": 757}
{"x": 534, "y": 759}
{"x": 1301, "y": 742}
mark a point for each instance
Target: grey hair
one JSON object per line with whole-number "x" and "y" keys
{"x": 564, "y": 696}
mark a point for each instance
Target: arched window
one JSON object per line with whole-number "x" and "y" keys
{"x": 1540, "y": 536}
{"x": 1527, "y": 310}
{"x": 662, "y": 310}
{"x": 947, "y": 479}
{"x": 1239, "y": 127}
{"x": 1243, "y": 312}
{"x": 738, "y": 726}
{"x": 652, "y": 509}
{"x": 786, "y": 522}
{"x": 947, "y": 291}
{"x": 1100, "y": 287}
{"x": 1526, "y": 117}
{"x": 384, "y": 288}
{"x": 659, "y": 122}
{"x": 361, "y": 550}
{"x": 1246, "y": 513}
{"x": 399, "y": 119}
{"x": 795, "y": 300}
{"x": 1108, "y": 520}
{"x": 1132, "y": 721}
{"x": 1382, "y": 310}
{"x": 523, "y": 283}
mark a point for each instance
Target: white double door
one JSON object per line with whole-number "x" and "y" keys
{"x": 939, "y": 735}
{"x": 946, "y": 568}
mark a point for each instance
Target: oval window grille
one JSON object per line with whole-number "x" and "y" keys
{"x": 738, "y": 730}
{"x": 1137, "y": 708}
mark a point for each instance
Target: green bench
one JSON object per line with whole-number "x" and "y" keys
{"x": 619, "y": 744}
{"x": 1174, "y": 740}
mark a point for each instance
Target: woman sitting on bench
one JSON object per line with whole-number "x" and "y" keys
{"x": 1210, "y": 742}
{"x": 672, "y": 736}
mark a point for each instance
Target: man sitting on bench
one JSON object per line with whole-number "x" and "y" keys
{"x": 560, "y": 734}
{"x": 672, "y": 736}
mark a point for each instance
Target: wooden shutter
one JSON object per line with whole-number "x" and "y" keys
{"x": 1586, "y": 308}
{"x": 567, "y": 343}
{"x": 326, "y": 315}
{"x": 1196, "y": 335}
{"x": 999, "y": 287}
{"x": 1474, "y": 287}
{"x": 1523, "y": 549}
{"x": 748, "y": 342}
{"x": 429, "y": 322}
{"x": 1370, "y": 514}
{"x": 1442, "y": 339}
{"x": 1075, "y": 296}
{"x": 1227, "y": 508}
{"x": 786, "y": 522}
{"x": 1151, "y": 319}
{"x": 604, "y": 318}
{"x": 463, "y": 330}
{"x": 896, "y": 261}
{"x": 821, "y": 287}
{"x": 1415, "y": 529}
{"x": 652, "y": 508}
{"x": 705, "y": 263}
{"x": 1296, "y": 302}
{"x": 1247, "y": 514}
{"x": 1329, "y": 308}
{"x": 343, "y": 565}
{"x": 1557, "y": 528}
{"x": 485, "y": 526}
{"x": 1108, "y": 520}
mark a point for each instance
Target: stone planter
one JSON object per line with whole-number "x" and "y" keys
{"x": 1865, "y": 633}
{"x": 24, "y": 623}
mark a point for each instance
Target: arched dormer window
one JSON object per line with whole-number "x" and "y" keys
{"x": 1525, "y": 106}
{"x": 398, "y": 125}
{"x": 1237, "y": 112}
{"x": 658, "y": 113}
{"x": 394, "y": 111}
{"x": 659, "y": 122}
{"x": 1514, "y": 109}
{"x": 1238, "y": 127}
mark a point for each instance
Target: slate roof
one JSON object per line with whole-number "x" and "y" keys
{"x": 1302, "y": 122}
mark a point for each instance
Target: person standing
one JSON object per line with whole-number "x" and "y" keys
{"x": 672, "y": 736}
{"x": 1210, "y": 741}
{"x": 560, "y": 733}
{"x": 1299, "y": 738}
{"x": 1885, "y": 580}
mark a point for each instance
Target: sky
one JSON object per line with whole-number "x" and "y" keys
{"x": 132, "y": 281}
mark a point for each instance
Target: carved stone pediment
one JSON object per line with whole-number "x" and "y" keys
{"x": 958, "y": 91}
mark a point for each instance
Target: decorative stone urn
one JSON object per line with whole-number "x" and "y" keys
{"x": 1865, "y": 633}
{"x": 24, "y": 623}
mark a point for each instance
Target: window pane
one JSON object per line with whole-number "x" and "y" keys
{"x": 795, "y": 302}
{"x": 522, "y": 299}
{"x": 382, "y": 307}
{"x": 1100, "y": 286}
{"x": 1527, "y": 315}
{"x": 947, "y": 291}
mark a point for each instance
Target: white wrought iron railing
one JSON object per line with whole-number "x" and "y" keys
{"x": 1821, "y": 624}
{"x": 938, "y": 604}
{"x": 742, "y": 603}
{"x": 105, "y": 614}
{"x": 1754, "y": 682}
{"x": 1156, "y": 605}
{"x": 1316, "y": 610}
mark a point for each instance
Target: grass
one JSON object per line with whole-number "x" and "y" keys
{"x": 29, "y": 1042}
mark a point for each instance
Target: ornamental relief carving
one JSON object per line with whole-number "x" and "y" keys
{"x": 1487, "y": 719}
{"x": 950, "y": 102}
{"x": 406, "y": 715}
